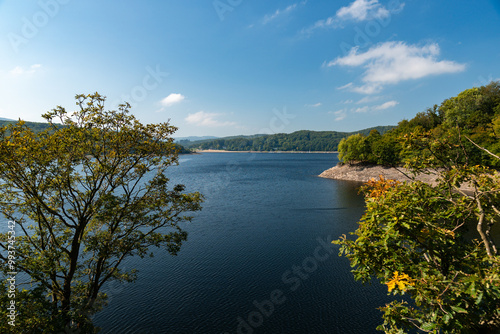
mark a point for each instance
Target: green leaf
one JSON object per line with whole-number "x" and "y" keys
{"x": 458, "y": 309}
{"x": 429, "y": 326}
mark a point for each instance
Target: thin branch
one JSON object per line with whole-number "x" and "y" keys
{"x": 414, "y": 324}
{"x": 482, "y": 148}
{"x": 480, "y": 228}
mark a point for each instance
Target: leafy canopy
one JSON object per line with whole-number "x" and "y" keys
{"x": 87, "y": 193}
{"x": 419, "y": 239}
{"x": 436, "y": 243}
{"x": 438, "y": 136}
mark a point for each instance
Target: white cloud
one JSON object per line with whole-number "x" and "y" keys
{"x": 362, "y": 109}
{"x": 319, "y": 104}
{"x": 386, "y": 105}
{"x": 383, "y": 106}
{"x": 202, "y": 118}
{"x": 19, "y": 70}
{"x": 340, "y": 114}
{"x": 349, "y": 85}
{"x": 358, "y": 11}
{"x": 368, "y": 99}
{"x": 393, "y": 62}
{"x": 361, "y": 10}
{"x": 172, "y": 99}
{"x": 329, "y": 22}
{"x": 367, "y": 89}
{"x": 277, "y": 13}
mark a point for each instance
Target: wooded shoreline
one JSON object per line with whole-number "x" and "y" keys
{"x": 227, "y": 151}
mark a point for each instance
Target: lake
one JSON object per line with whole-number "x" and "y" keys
{"x": 258, "y": 257}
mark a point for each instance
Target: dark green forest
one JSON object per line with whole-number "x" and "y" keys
{"x": 297, "y": 141}
{"x": 463, "y": 129}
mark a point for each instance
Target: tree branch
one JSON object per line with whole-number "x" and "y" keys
{"x": 482, "y": 148}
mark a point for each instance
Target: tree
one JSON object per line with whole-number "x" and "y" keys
{"x": 354, "y": 149}
{"x": 386, "y": 151}
{"x": 85, "y": 195}
{"x": 435, "y": 244}
{"x": 439, "y": 135}
{"x": 428, "y": 119}
{"x": 473, "y": 107}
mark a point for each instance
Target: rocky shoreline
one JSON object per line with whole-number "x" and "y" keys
{"x": 364, "y": 173}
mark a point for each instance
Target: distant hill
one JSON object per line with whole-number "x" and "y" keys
{"x": 35, "y": 126}
{"x": 5, "y": 119}
{"x": 303, "y": 140}
{"x": 194, "y": 138}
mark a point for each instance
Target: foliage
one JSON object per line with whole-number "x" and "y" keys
{"x": 436, "y": 244}
{"x": 371, "y": 149}
{"x": 36, "y": 127}
{"x": 297, "y": 141}
{"x": 354, "y": 148}
{"x": 86, "y": 194}
{"x": 181, "y": 149}
{"x": 474, "y": 115}
{"x": 385, "y": 151}
{"x": 34, "y": 312}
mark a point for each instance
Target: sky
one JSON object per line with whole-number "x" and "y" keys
{"x": 232, "y": 67}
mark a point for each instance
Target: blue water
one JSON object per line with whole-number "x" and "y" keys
{"x": 258, "y": 257}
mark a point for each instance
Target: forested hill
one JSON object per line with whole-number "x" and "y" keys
{"x": 35, "y": 126}
{"x": 303, "y": 140}
{"x": 39, "y": 127}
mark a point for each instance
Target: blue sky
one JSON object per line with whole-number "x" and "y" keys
{"x": 229, "y": 67}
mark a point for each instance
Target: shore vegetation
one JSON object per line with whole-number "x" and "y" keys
{"x": 85, "y": 193}
{"x": 435, "y": 243}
